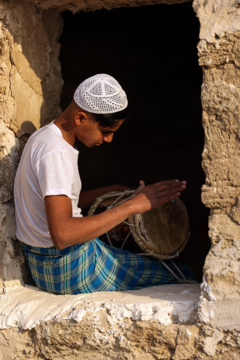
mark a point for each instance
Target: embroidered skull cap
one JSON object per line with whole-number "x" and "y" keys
{"x": 101, "y": 94}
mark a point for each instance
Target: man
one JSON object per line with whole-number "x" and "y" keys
{"x": 61, "y": 246}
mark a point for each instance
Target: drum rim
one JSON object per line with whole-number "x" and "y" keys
{"x": 149, "y": 250}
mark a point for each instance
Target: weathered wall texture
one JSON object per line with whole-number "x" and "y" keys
{"x": 94, "y": 338}
{"x": 30, "y": 85}
{"x": 158, "y": 323}
{"x": 219, "y": 49}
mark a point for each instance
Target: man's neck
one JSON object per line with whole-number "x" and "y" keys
{"x": 67, "y": 129}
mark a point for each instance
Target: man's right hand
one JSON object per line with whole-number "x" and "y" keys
{"x": 149, "y": 197}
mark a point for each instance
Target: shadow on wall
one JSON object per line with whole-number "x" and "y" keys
{"x": 13, "y": 266}
{"x": 152, "y": 51}
{"x": 36, "y": 74}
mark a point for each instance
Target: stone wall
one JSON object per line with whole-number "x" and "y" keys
{"x": 219, "y": 58}
{"x": 30, "y": 86}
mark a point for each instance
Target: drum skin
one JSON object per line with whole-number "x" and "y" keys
{"x": 162, "y": 232}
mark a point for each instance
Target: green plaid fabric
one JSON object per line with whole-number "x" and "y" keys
{"x": 95, "y": 266}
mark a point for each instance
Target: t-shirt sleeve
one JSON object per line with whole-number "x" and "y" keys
{"x": 55, "y": 173}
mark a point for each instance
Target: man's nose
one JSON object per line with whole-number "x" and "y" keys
{"x": 108, "y": 138}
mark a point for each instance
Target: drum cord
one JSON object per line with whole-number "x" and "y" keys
{"x": 116, "y": 203}
{"x": 182, "y": 280}
{"x": 120, "y": 195}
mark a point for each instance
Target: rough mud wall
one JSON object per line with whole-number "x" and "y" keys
{"x": 30, "y": 84}
{"x": 96, "y": 338}
{"x": 157, "y": 323}
{"x": 219, "y": 49}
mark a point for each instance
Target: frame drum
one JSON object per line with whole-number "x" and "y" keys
{"x": 162, "y": 232}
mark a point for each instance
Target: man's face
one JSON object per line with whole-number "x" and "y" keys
{"x": 90, "y": 133}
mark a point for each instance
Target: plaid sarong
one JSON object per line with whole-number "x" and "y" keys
{"x": 94, "y": 266}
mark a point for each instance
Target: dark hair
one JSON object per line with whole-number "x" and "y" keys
{"x": 110, "y": 120}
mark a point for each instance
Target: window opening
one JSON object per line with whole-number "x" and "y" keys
{"x": 152, "y": 51}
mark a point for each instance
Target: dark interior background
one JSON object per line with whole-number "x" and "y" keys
{"x": 152, "y": 52}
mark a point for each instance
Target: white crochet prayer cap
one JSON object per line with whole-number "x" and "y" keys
{"x": 101, "y": 94}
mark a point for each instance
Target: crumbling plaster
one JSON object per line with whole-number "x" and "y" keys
{"x": 159, "y": 323}
{"x": 30, "y": 86}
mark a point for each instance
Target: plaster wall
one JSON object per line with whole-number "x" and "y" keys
{"x": 30, "y": 86}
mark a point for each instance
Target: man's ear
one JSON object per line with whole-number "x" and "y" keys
{"x": 80, "y": 118}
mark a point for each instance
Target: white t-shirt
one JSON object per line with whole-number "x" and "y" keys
{"x": 48, "y": 166}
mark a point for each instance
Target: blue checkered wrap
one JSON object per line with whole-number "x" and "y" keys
{"x": 95, "y": 266}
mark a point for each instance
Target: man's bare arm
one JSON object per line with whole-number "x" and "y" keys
{"x": 88, "y": 197}
{"x": 66, "y": 230}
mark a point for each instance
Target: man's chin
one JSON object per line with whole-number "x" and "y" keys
{"x": 92, "y": 145}
{"x": 98, "y": 144}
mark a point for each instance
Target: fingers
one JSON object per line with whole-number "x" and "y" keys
{"x": 166, "y": 184}
{"x": 165, "y": 187}
{"x": 166, "y": 194}
{"x": 175, "y": 187}
{"x": 165, "y": 199}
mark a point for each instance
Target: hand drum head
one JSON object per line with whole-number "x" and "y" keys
{"x": 162, "y": 232}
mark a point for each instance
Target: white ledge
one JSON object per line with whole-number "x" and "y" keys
{"x": 26, "y": 307}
